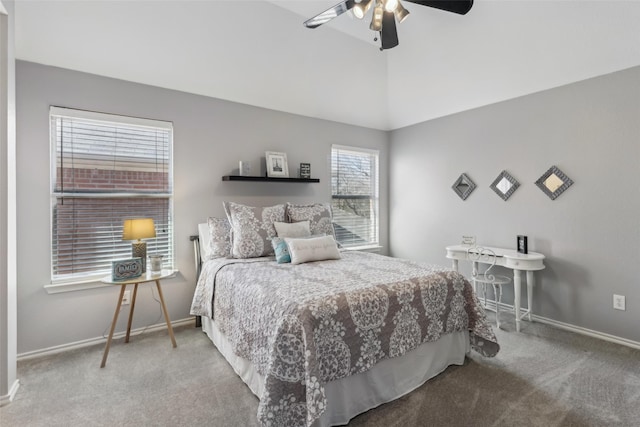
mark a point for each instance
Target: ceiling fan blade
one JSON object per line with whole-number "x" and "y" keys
{"x": 460, "y": 7}
{"x": 389, "y": 35}
{"x": 329, "y": 14}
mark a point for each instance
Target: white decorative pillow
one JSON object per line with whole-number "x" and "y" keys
{"x": 219, "y": 237}
{"x": 318, "y": 214}
{"x": 312, "y": 249}
{"x": 252, "y": 228}
{"x": 293, "y": 229}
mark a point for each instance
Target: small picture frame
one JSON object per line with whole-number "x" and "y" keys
{"x": 126, "y": 269}
{"x": 305, "y": 170}
{"x": 276, "y": 164}
{"x": 469, "y": 240}
{"x": 522, "y": 245}
{"x": 244, "y": 168}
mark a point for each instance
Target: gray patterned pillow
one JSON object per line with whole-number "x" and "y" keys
{"x": 219, "y": 237}
{"x": 252, "y": 229}
{"x": 318, "y": 215}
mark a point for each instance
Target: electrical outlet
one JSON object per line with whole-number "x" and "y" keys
{"x": 618, "y": 302}
{"x": 126, "y": 298}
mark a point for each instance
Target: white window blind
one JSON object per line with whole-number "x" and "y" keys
{"x": 354, "y": 194}
{"x": 105, "y": 169}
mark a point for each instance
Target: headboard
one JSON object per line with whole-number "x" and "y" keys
{"x": 200, "y": 248}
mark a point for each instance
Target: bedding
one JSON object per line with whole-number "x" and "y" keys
{"x": 304, "y": 326}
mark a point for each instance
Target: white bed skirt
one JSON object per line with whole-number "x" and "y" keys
{"x": 350, "y": 396}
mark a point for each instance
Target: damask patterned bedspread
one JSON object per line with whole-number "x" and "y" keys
{"x": 308, "y": 324}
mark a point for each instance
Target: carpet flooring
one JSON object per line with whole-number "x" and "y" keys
{"x": 541, "y": 377}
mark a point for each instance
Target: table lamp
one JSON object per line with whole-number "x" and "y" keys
{"x": 136, "y": 229}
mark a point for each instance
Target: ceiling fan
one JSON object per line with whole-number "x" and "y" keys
{"x": 385, "y": 13}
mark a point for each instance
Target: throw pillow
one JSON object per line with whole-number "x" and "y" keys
{"x": 252, "y": 228}
{"x": 281, "y": 250}
{"x": 312, "y": 249}
{"x": 318, "y": 215}
{"x": 219, "y": 237}
{"x": 293, "y": 229}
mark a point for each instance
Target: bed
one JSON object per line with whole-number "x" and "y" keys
{"x": 321, "y": 342}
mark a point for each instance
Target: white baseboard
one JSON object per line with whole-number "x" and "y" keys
{"x": 8, "y": 398}
{"x": 589, "y": 332}
{"x": 98, "y": 340}
{"x": 569, "y": 327}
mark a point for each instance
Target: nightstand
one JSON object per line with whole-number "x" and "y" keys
{"x": 148, "y": 277}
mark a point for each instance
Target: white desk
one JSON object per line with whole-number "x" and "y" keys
{"x": 509, "y": 258}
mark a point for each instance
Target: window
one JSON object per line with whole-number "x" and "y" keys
{"x": 105, "y": 169}
{"x": 354, "y": 195}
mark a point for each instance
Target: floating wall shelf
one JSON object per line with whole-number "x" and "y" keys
{"x": 267, "y": 179}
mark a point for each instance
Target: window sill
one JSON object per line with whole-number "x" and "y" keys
{"x": 89, "y": 283}
{"x": 365, "y": 248}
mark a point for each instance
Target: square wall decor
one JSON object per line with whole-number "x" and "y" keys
{"x": 553, "y": 182}
{"x": 505, "y": 185}
{"x": 463, "y": 186}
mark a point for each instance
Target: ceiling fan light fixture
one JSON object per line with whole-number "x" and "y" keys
{"x": 401, "y": 13}
{"x": 376, "y": 20}
{"x": 391, "y": 5}
{"x": 385, "y": 14}
{"x": 361, "y": 9}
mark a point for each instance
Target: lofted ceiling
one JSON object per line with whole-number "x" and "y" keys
{"x": 259, "y": 53}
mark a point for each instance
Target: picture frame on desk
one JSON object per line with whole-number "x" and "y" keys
{"x": 126, "y": 269}
{"x": 277, "y": 166}
{"x": 522, "y": 245}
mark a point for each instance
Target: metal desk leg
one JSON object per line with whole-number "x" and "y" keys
{"x": 517, "y": 283}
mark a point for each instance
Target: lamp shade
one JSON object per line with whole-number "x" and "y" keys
{"x": 376, "y": 19}
{"x": 361, "y": 9}
{"x": 401, "y": 13}
{"x": 138, "y": 228}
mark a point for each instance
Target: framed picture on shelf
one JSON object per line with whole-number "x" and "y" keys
{"x": 277, "y": 164}
{"x": 305, "y": 170}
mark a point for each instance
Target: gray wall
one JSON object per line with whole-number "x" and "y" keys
{"x": 210, "y": 137}
{"x": 590, "y": 234}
